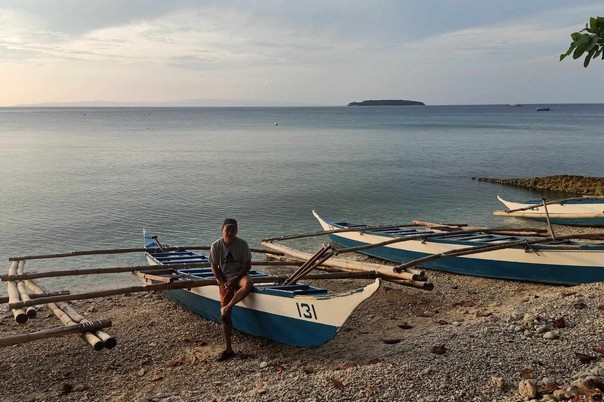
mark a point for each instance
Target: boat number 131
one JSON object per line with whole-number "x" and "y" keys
{"x": 306, "y": 310}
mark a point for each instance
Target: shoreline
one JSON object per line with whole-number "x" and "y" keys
{"x": 571, "y": 184}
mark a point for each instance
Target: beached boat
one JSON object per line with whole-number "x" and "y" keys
{"x": 295, "y": 314}
{"x": 478, "y": 252}
{"x": 584, "y": 211}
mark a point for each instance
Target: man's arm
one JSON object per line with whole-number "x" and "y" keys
{"x": 217, "y": 274}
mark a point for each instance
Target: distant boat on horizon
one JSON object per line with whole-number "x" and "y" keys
{"x": 514, "y": 105}
{"x": 543, "y": 109}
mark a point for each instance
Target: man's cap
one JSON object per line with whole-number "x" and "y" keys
{"x": 229, "y": 222}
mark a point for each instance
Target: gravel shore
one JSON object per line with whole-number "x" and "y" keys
{"x": 470, "y": 339}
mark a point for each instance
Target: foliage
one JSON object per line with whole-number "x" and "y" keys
{"x": 589, "y": 40}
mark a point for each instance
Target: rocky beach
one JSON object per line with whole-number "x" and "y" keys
{"x": 470, "y": 339}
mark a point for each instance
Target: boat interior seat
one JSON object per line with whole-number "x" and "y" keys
{"x": 292, "y": 290}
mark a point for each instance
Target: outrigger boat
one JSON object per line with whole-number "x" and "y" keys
{"x": 493, "y": 253}
{"x": 583, "y": 211}
{"x": 294, "y": 314}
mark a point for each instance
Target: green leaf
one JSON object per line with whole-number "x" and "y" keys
{"x": 588, "y": 57}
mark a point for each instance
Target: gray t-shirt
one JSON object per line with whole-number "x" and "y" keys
{"x": 230, "y": 260}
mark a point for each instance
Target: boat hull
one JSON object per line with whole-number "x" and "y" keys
{"x": 543, "y": 264}
{"x": 576, "y": 212}
{"x": 298, "y": 315}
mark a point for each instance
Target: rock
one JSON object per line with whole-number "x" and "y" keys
{"x": 551, "y": 335}
{"x": 516, "y": 316}
{"x": 263, "y": 364}
{"x": 498, "y": 383}
{"x": 559, "y": 323}
{"x": 527, "y": 389}
{"x": 80, "y": 388}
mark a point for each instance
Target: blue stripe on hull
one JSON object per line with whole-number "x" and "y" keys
{"x": 542, "y": 273}
{"x": 592, "y": 222}
{"x": 266, "y": 325}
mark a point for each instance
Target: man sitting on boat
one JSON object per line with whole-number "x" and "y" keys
{"x": 231, "y": 261}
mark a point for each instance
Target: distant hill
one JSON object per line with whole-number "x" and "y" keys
{"x": 387, "y": 102}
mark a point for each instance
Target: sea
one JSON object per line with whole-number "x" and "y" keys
{"x": 75, "y": 179}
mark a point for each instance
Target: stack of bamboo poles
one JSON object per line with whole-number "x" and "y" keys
{"x": 412, "y": 277}
{"x": 73, "y": 322}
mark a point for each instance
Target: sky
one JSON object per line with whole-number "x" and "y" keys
{"x": 312, "y": 52}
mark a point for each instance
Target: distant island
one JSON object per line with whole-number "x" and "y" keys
{"x": 387, "y": 102}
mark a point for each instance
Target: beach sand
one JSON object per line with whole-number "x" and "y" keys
{"x": 470, "y": 339}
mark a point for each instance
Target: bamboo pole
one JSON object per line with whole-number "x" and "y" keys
{"x": 14, "y": 296}
{"x": 119, "y": 251}
{"x": 320, "y": 257}
{"x": 115, "y": 270}
{"x": 109, "y": 341}
{"x": 181, "y": 284}
{"x": 385, "y": 271}
{"x": 88, "y": 337}
{"x": 464, "y": 227}
{"x": 343, "y": 230}
{"x": 403, "y": 239}
{"x": 30, "y": 311}
{"x": 34, "y": 295}
{"x": 55, "y": 332}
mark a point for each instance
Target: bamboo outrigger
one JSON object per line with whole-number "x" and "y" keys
{"x": 24, "y": 293}
{"x": 504, "y": 253}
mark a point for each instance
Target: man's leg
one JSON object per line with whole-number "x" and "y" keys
{"x": 227, "y": 324}
{"x": 245, "y": 287}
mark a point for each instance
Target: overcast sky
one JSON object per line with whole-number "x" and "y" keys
{"x": 323, "y": 52}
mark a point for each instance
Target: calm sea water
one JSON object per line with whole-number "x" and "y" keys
{"x": 90, "y": 178}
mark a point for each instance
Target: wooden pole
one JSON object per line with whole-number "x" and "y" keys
{"x": 343, "y": 230}
{"x": 549, "y": 223}
{"x": 118, "y": 251}
{"x": 114, "y": 270}
{"x": 181, "y": 284}
{"x": 55, "y": 332}
{"x": 14, "y": 296}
